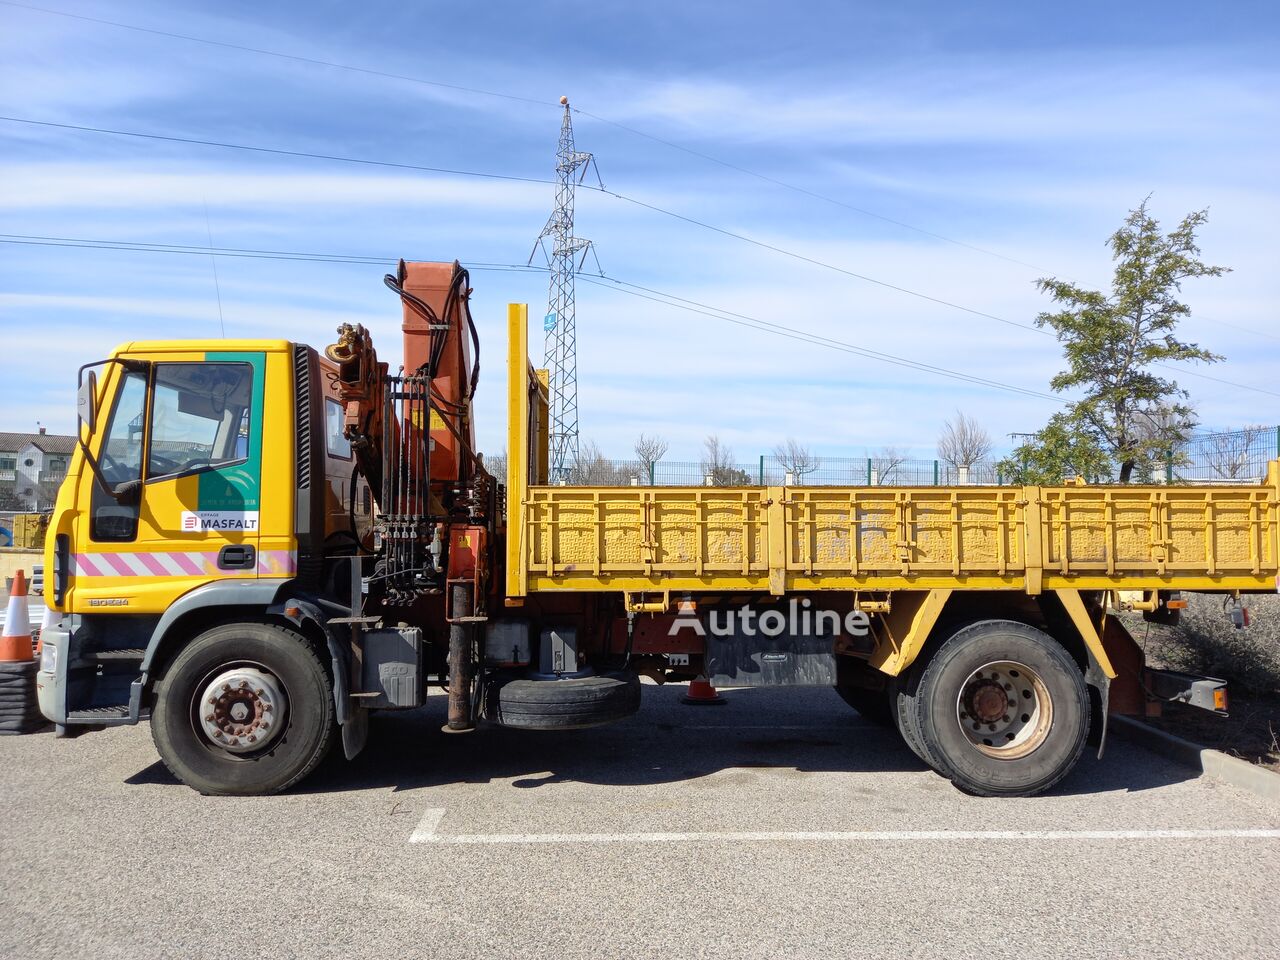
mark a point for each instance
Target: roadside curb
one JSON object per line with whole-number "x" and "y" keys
{"x": 1239, "y": 773}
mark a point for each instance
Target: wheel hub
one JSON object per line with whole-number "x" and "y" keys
{"x": 242, "y": 709}
{"x": 988, "y": 701}
{"x": 1005, "y": 710}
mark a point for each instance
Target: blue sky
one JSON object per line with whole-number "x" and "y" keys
{"x": 1022, "y": 131}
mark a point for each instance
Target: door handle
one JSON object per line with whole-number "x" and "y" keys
{"x": 237, "y": 557}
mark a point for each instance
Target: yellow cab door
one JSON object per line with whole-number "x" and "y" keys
{"x": 186, "y": 447}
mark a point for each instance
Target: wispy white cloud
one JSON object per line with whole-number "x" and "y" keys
{"x": 1066, "y": 99}
{"x": 90, "y": 186}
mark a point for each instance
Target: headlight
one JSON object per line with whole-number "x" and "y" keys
{"x": 48, "y": 659}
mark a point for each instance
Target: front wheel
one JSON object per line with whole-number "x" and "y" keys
{"x": 1002, "y": 709}
{"x": 245, "y": 708}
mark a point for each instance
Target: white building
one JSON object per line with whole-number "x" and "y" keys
{"x": 32, "y": 465}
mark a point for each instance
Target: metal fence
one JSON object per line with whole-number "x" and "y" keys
{"x": 1236, "y": 456}
{"x": 768, "y": 470}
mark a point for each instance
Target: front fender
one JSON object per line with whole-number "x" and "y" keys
{"x": 298, "y": 611}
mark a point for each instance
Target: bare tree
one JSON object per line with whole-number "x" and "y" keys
{"x": 717, "y": 463}
{"x": 1161, "y": 431}
{"x": 1230, "y": 454}
{"x": 496, "y": 464}
{"x": 593, "y": 469}
{"x": 649, "y": 450}
{"x": 963, "y": 442}
{"x": 886, "y": 463}
{"x": 796, "y": 459}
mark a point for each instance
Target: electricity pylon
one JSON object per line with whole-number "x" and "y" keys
{"x": 560, "y": 350}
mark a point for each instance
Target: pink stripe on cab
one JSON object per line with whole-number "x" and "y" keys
{"x": 85, "y": 566}
{"x": 152, "y": 564}
{"x": 186, "y": 562}
{"x": 116, "y": 563}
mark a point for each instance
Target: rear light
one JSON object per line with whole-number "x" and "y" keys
{"x": 48, "y": 659}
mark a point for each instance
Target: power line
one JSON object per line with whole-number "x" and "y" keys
{"x": 744, "y": 238}
{"x": 693, "y": 221}
{"x": 786, "y": 185}
{"x": 276, "y": 151}
{"x": 622, "y": 286}
{"x": 521, "y": 99}
{"x": 275, "y": 53}
{"x": 693, "y": 306}
{"x": 238, "y": 252}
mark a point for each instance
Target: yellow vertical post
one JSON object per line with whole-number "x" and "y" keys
{"x": 542, "y": 442}
{"x": 1033, "y": 542}
{"x": 517, "y": 445}
{"x": 776, "y": 535}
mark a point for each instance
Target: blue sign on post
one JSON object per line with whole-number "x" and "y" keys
{"x": 549, "y": 321}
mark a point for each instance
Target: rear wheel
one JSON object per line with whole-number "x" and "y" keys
{"x": 1001, "y": 709}
{"x": 245, "y": 709}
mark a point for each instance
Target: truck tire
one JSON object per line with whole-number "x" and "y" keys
{"x": 873, "y": 705}
{"x": 562, "y": 704}
{"x": 1001, "y": 709}
{"x": 244, "y": 709}
{"x": 856, "y": 683}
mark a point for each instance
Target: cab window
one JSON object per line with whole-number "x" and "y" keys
{"x": 120, "y": 459}
{"x": 335, "y": 442}
{"x": 199, "y": 417}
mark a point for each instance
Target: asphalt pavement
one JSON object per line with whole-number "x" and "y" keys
{"x": 779, "y": 825}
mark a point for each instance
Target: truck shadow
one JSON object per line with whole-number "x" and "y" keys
{"x": 792, "y": 733}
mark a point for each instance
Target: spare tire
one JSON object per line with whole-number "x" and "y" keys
{"x": 568, "y": 704}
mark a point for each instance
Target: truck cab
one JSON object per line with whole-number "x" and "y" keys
{"x": 210, "y": 476}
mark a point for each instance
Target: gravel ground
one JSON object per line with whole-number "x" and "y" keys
{"x": 104, "y": 855}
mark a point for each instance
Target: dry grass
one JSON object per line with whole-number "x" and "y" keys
{"x": 1206, "y": 642}
{"x": 1249, "y": 660}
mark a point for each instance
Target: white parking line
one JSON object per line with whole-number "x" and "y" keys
{"x": 426, "y": 833}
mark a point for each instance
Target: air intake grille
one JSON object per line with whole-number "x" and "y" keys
{"x": 302, "y": 395}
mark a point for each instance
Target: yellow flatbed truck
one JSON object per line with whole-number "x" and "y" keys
{"x": 259, "y": 543}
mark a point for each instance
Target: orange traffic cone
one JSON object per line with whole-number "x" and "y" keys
{"x": 703, "y": 694}
{"x": 19, "y": 704}
{"x": 15, "y": 641}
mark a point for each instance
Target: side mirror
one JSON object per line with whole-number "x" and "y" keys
{"x": 87, "y": 401}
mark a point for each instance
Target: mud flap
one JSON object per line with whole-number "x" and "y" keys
{"x": 1100, "y": 683}
{"x": 355, "y": 732}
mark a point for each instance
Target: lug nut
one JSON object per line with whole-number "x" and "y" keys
{"x": 251, "y": 738}
{"x": 260, "y": 693}
{"x": 243, "y": 684}
{"x": 233, "y": 742}
{"x": 226, "y": 688}
{"x": 218, "y": 734}
{"x": 212, "y": 701}
{"x": 265, "y": 726}
{"x": 209, "y": 718}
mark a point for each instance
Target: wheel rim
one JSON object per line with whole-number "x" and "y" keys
{"x": 242, "y": 709}
{"x": 1005, "y": 710}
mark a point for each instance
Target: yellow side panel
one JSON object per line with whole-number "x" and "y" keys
{"x": 837, "y": 538}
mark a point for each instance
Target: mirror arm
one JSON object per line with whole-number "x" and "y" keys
{"x": 92, "y": 461}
